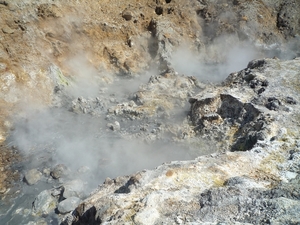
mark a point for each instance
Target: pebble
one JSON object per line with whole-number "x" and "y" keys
{"x": 127, "y": 15}
{"x": 114, "y": 126}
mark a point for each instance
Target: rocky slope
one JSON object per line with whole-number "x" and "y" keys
{"x": 155, "y": 71}
{"x": 258, "y": 184}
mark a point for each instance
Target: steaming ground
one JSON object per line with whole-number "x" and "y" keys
{"x": 83, "y": 141}
{"x": 55, "y": 135}
{"x": 90, "y": 150}
{"x": 58, "y": 136}
{"x": 222, "y": 57}
{"x": 227, "y": 54}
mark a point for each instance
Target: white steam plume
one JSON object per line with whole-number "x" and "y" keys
{"x": 225, "y": 55}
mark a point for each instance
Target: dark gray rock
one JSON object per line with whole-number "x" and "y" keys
{"x": 273, "y": 104}
{"x": 290, "y": 100}
{"x": 127, "y": 15}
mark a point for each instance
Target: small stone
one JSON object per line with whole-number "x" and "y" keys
{"x": 261, "y": 90}
{"x": 57, "y": 191}
{"x": 7, "y": 30}
{"x": 117, "y": 125}
{"x": 130, "y": 43}
{"x": 273, "y": 104}
{"x": 32, "y": 176}
{"x": 59, "y": 171}
{"x": 290, "y": 101}
{"x": 127, "y": 15}
{"x": 108, "y": 181}
{"x": 68, "y": 205}
{"x": 179, "y": 220}
{"x": 3, "y": 190}
{"x": 46, "y": 172}
{"x": 131, "y": 104}
{"x": 114, "y": 126}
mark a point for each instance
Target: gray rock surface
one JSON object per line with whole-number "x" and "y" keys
{"x": 68, "y": 205}
{"x": 59, "y": 171}
{"x": 74, "y": 188}
{"x": 254, "y": 206}
{"x": 32, "y": 176}
{"x": 248, "y": 117}
{"x": 44, "y": 203}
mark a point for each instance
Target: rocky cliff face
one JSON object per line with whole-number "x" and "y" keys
{"x": 153, "y": 71}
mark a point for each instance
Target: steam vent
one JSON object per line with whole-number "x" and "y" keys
{"x": 149, "y": 112}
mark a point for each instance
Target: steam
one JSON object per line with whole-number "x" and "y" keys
{"x": 85, "y": 77}
{"x": 225, "y": 55}
{"x": 79, "y": 141}
{"x": 59, "y": 136}
{"x": 56, "y": 135}
{"x": 284, "y": 51}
